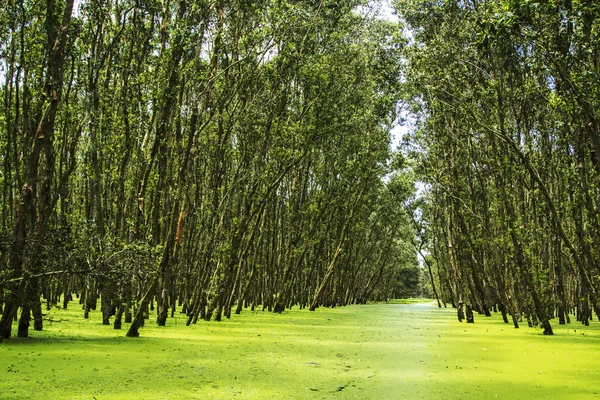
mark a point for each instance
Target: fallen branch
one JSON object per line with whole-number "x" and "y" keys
{"x": 47, "y": 274}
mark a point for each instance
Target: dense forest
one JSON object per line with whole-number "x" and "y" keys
{"x": 505, "y": 97}
{"x": 209, "y": 155}
{"x": 214, "y": 155}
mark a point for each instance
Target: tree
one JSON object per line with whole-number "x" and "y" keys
{"x": 208, "y": 155}
{"x": 509, "y": 163}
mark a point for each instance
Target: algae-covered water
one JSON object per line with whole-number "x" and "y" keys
{"x": 377, "y": 351}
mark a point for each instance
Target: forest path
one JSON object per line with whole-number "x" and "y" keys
{"x": 375, "y": 351}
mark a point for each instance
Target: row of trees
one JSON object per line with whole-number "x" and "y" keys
{"x": 507, "y": 98}
{"x": 207, "y": 154}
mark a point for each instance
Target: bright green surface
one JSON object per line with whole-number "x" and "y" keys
{"x": 382, "y": 351}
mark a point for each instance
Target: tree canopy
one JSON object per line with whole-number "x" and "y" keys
{"x": 210, "y": 155}
{"x": 216, "y": 155}
{"x": 506, "y": 100}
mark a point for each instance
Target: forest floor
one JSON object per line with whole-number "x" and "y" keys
{"x": 376, "y": 351}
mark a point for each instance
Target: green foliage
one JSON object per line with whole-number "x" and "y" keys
{"x": 506, "y": 120}
{"x": 210, "y": 154}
